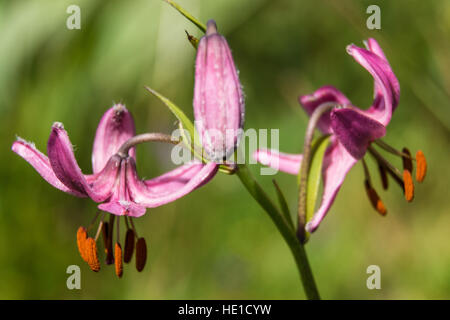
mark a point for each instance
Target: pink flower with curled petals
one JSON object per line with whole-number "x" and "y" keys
{"x": 114, "y": 181}
{"x": 352, "y": 131}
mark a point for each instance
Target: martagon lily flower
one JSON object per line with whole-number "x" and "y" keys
{"x": 352, "y": 133}
{"x": 114, "y": 182}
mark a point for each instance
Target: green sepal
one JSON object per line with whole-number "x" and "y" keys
{"x": 318, "y": 148}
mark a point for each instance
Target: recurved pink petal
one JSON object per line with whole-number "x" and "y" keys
{"x": 41, "y": 164}
{"x": 66, "y": 169}
{"x": 322, "y": 95}
{"x": 289, "y": 163}
{"x": 373, "y": 46}
{"x": 115, "y": 127}
{"x": 170, "y": 186}
{"x": 218, "y": 98}
{"x": 355, "y": 130}
{"x": 336, "y": 164}
{"x": 387, "y": 88}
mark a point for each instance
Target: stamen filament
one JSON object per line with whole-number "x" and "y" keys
{"x": 118, "y": 231}
{"x": 375, "y": 200}
{"x": 407, "y": 162}
{"x": 366, "y": 170}
{"x": 393, "y": 170}
{"x": 384, "y": 177}
{"x": 392, "y": 150}
{"x": 109, "y": 241}
{"x": 93, "y": 220}
{"x": 100, "y": 227}
{"x": 126, "y": 222}
{"x": 134, "y": 229}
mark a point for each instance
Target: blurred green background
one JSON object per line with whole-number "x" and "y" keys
{"x": 216, "y": 243}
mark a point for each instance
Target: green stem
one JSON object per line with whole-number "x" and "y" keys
{"x": 286, "y": 231}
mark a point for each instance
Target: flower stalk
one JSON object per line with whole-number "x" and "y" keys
{"x": 288, "y": 233}
{"x": 145, "y": 137}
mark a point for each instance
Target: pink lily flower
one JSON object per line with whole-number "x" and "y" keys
{"x": 352, "y": 130}
{"x": 114, "y": 182}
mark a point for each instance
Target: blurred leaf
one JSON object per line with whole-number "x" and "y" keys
{"x": 185, "y": 122}
{"x": 185, "y": 13}
{"x": 283, "y": 203}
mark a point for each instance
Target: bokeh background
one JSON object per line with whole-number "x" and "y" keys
{"x": 216, "y": 243}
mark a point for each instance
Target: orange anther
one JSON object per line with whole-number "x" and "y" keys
{"x": 81, "y": 242}
{"x": 421, "y": 166}
{"x": 92, "y": 254}
{"x": 118, "y": 259}
{"x": 409, "y": 185}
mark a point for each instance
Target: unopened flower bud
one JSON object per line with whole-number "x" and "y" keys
{"x": 218, "y": 97}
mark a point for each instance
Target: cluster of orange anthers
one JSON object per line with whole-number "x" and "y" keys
{"x": 87, "y": 246}
{"x": 404, "y": 179}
